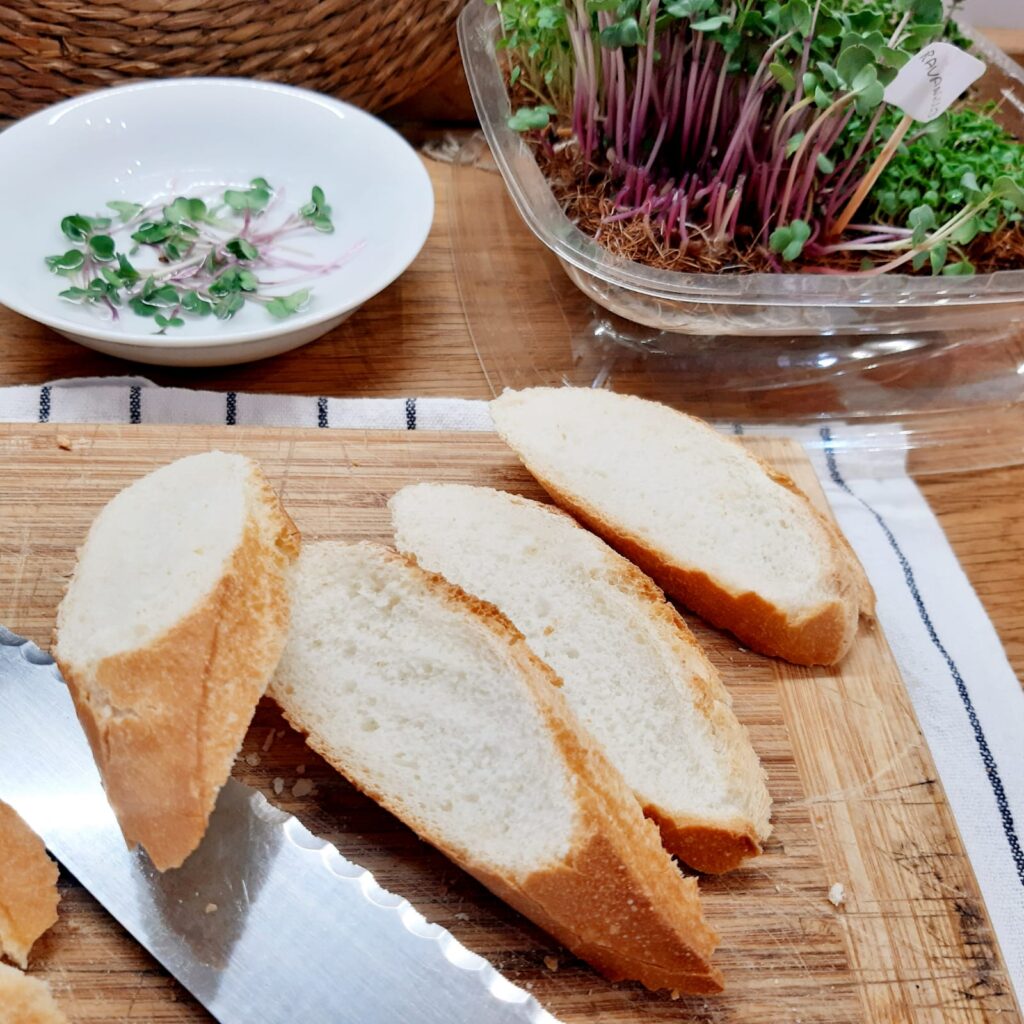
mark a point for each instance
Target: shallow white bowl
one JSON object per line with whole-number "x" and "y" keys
{"x": 196, "y": 136}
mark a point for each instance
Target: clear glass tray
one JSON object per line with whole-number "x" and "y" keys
{"x": 953, "y": 399}
{"x": 723, "y": 306}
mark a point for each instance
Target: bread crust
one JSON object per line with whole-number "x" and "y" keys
{"x": 616, "y": 900}
{"x": 165, "y": 721}
{"x": 28, "y": 887}
{"x": 25, "y": 1000}
{"x": 819, "y": 639}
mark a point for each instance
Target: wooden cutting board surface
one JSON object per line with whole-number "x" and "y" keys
{"x": 856, "y": 796}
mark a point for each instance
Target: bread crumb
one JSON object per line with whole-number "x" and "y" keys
{"x": 674, "y": 993}
{"x": 211, "y": 908}
{"x": 551, "y": 963}
{"x": 268, "y": 742}
{"x": 301, "y": 770}
{"x": 302, "y": 788}
{"x": 278, "y": 785}
{"x": 461, "y": 917}
{"x": 64, "y": 442}
{"x": 252, "y": 760}
{"x": 837, "y": 894}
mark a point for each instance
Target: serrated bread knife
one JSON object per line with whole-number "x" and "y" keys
{"x": 264, "y": 922}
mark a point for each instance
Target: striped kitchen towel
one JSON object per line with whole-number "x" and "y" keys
{"x": 968, "y": 701}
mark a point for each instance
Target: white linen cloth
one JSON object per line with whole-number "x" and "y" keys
{"x": 968, "y": 701}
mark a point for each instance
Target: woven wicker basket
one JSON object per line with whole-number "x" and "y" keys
{"x": 371, "y": 52}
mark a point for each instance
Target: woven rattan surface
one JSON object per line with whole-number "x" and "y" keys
{"x": 371, "y": 52}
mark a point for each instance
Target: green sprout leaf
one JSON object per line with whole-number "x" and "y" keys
{"x": 962, "y": 269}
{"x": 125, "y": 211}
{"x": 67, "y": 262}
{"x": 937, "y": 256}
{"x": 527, "y": 119}
{"x": 623, "y": 33}
{"x": 711, "y": 24}
{"x": 783, "y": 75}
{"x": 242, "y": 249}
{"x": 102, "y": 247}
{"x": 286, "y": 305}
{"x": 128, "y": 274}
{"x": 152, "y": 233}
{"x": 184, "y": 209}
{"x": 164, "y": 296}
{"x": 255, "y": 198}
{"x": 140, "y": 307}
{"x": 317, "y": 212}
{"x": 76, "y": 227}
{"x": 228, "y": 306}
{"x": 1005, "y": 188}
{"x": 169, "y": 321}
{"x": 921, "y": 220}
{"x": 195, "y": 303}
{"x": 788, "y": 241}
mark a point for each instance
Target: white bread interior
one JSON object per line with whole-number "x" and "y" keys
{"x": 632, "y": 671}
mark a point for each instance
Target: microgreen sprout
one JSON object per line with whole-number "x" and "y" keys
{"x": 208, "y": 257}
{"x": 751, "y": 125}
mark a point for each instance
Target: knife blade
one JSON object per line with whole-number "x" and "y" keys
{"x": 264, "y": 922}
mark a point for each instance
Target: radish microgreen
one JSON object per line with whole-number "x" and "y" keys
{"x": 750, "y": 126}
{"x": 209, "y": 257}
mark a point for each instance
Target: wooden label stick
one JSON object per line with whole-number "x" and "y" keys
{"x": 868, "y": 182}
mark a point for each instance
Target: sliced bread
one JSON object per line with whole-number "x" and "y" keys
{"x": 25, "y": 1000}
{"x": 168, "y": 634}
{"x": 429, "y": 701}
{"x": 718, "y": 529}
{"x": 28, "y": 887}
{"x": 632, "y": 671}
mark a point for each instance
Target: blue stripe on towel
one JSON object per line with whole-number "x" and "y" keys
{"x": 991, "y": 768}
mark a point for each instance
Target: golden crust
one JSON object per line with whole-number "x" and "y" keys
{"x": 166, "y": 721}
{"x": 821, "y": 639}
{"x": 25, "y": 1000}
{"x": 28, "y": 887}
{"x": 617, "y": 900}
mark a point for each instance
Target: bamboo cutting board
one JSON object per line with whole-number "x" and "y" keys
{"x": 856, "y": 796}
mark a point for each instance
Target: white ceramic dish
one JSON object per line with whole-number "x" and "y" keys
{"x": 197, "y": 136}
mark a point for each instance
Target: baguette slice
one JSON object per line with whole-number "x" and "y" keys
{"x": 25, "y": 1000}
{"x": 430, "y": 702}
{"x": 28, "y": 887}
{"x": 634, "y": 674}
{"x": 717, "y": 528}
{"x": 170, "y": 629}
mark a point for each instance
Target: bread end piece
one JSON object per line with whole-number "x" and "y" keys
{"x": 25, "y": 1000}
{"x": 166, "y": 720}
{"x": 28, "y": 887}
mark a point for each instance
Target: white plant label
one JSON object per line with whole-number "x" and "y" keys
{"x": 929, "y": 82}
